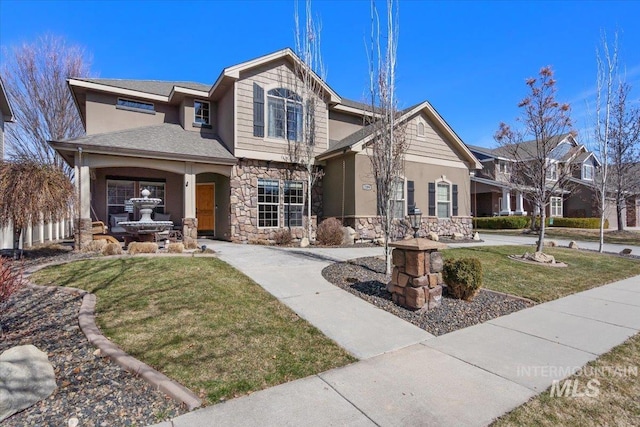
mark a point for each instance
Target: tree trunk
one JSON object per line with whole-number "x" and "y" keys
{"x": 543, "y": 218}
{"x": 619, "y": 206}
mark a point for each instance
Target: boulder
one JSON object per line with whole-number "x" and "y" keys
{"x": 458, "y": 236}
{"x": 573, "y": 245}
{"x": 540, "y": 257}
{"x": 549, "y": 243}
{"x": 26, "y": 377}
{"x": 476, "y": 236}
{"x": 433, "y": 236}
{"x": 348, "y": 236}
{"x": 304, "y": 242}
{"x": 625, "y": 251}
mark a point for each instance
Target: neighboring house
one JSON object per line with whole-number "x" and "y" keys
{"x": 215, "y": 155}
{"x": 7, "y": 115}
{"x": 493, "y": 191}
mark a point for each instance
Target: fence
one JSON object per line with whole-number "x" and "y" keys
{"x": 39, "y": 234}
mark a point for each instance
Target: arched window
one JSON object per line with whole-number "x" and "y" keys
{"x": 284, "y": 114}
{"x": 420, "y": 128}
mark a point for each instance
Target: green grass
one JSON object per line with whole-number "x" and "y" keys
{"x": 585, "y": 270}
{"x": 610, "y": 236}
{"x": 616, "y": 404}
{"x": 200, "y": 322}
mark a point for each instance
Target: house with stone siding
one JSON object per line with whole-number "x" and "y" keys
{"x": 216, "y": 156}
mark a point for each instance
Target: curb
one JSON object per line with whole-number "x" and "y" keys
{"x": 86, "y": 321}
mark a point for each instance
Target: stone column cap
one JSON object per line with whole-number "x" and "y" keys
{"x": 418, "y": 244}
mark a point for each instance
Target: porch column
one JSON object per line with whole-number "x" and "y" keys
{"x": 506, "y": 202}
{"x": 519, "y": 204}
{"x": 83, "y": 234}
{"x": 189, "y": 222}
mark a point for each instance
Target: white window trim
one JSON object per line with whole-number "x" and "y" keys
{"x": 424, "y": 129}
{"x": 551, "y": 208}
{"x": 450, "y": 184}
{"x": 550, "y": 176}
{"x": 584, "y": 166}
{"x": 267, "y": 88}
{"x": 195, "y": 122}
{"x": 278, "y": 204}
{"x": 404, "y": 196}
{"x": 285, "y": 204}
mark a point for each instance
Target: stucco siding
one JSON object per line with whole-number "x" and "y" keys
{"x": 421, "y": 174}
{"x": 103, "y": 116}
{"x": 432, "y": 144}
{"x": 271, "y": 76}
{"x": 339, "y": 181}
{"x": 224, "y": 113}
{"x": 342, "y": 125}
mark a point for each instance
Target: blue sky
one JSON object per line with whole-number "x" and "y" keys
{"x": 469, "y": 59}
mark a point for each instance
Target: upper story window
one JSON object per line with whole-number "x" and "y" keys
{"x": 420, "y": 128}
{"x": 552, "y": 172}
{"x": 284, "y": 114}
{"x": 201, "y": 112}
{"x": 503, "y": 166}
{"x": 130, "y": 104}
{"x": 587, "y": 172}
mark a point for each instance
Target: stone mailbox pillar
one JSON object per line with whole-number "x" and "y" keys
{"x": 416, "y": 279}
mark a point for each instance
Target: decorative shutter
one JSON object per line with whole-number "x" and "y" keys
{"x": 411, "y": 204}
{"x": 258, "y": 111}
{"x": 432, "y": 199}
{"x": 454, "y": 201}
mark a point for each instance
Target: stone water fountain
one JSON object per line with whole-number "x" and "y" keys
{"x": 145, "y": 227}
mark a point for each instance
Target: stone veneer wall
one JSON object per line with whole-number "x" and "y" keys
{"x": 83, "y": 233}
{"x": 371, "y": 227}
{"x": 244, "y": 199}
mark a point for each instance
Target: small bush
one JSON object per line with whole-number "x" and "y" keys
{"x": 463, "y": 277}
{"x": 112, "y": 249}
{"x": 10, "y": 279}
{"x": 142, "y": 248}
{"x": 579, "y": 222}
{"x": 330, "y": 232}
{"x": 190, "y": 243}
{"x": 501, "y": 222}
{"x": 175, "y": 248}
{"x": 282, "y": 237}
{"x": 94, "y": 246}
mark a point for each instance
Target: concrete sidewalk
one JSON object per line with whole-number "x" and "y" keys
{"x": 408, "y": 377}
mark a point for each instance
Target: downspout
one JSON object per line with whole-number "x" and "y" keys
{"x": 79, "y": 198}
{"x": 343, "y": 184}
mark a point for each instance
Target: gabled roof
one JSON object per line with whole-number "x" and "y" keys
{"x": 5, "y": 106}
{"x": 233, "y": 72}
{"x": 358, "y": 140}
{"x": 527, "y": 147}
{"x": 165, "y": 141}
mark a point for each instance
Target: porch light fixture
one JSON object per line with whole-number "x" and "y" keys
{"x": 415, "y": 218}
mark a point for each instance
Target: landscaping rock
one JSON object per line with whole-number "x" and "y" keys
{"x": 476, "y": 236}
{"x": 26, "y": 377}
{"x": 540, "y": 257}
{"x": 433, "y": 236}
{"x": 348, "y": 236}
{"x": 304, "y": 242}
{"x": 573, "y": 245}
{"x": 550, "y": 243}
{"x": 625, "y": 251}
{"x": 458, "y": 236}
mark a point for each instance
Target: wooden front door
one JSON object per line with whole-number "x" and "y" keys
{"x": 205, "y": 207}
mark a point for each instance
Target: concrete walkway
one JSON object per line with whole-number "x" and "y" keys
{"x": 406, "y": 376}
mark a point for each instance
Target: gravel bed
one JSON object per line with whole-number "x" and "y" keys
{"x": 365, "y": 278}
{"x": 90, "y": 388}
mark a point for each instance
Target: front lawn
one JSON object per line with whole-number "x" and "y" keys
{"x": 615, "y": 403}
{"x": 585, "y": 270}
{"x": 626, "y": 237}
{"x": 200, "y": 322}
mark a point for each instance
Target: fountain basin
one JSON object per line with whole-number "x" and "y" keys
{"x": 145, "y": 227}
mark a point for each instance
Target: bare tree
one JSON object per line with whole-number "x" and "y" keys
{"x": 607, "y": 68}
{"x": 388, "y": 145}
{"x": 537, "y": 169}
{"x": 32, "y": 192}
{"x": 624, "y": 141}
{"x": 36, "y": 81}
{"x": 310, "y": 72}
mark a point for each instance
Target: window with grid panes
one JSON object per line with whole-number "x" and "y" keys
{"x": 268, "y": 202}
{"x": 293, "y": 203}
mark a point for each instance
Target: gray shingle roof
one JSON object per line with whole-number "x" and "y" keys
{"x": 524, "y": 148}
{"x": 164, "y": 140}
{"x": 156, "y": 87}
{"x": 355, "y": 104}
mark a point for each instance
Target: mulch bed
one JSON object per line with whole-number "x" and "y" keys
{"x": 365, "y": 278}
{"x": 90, "y": 388}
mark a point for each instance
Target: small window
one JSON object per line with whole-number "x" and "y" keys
{"x": 444, "y": 199}
{"x": 552, "y": 172}
{"x": 587, "y": 172}
{"x": 397, "y": 198}
{"x": 268, "y": 202}
{"x": 135, "y": 105}
{"x": 556, "y": 207}
{"x": 503, "y": 166}
{"x": 293, "y": 203}
{"x": 201, "y": 112}
{"x": 420, "y": 129}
